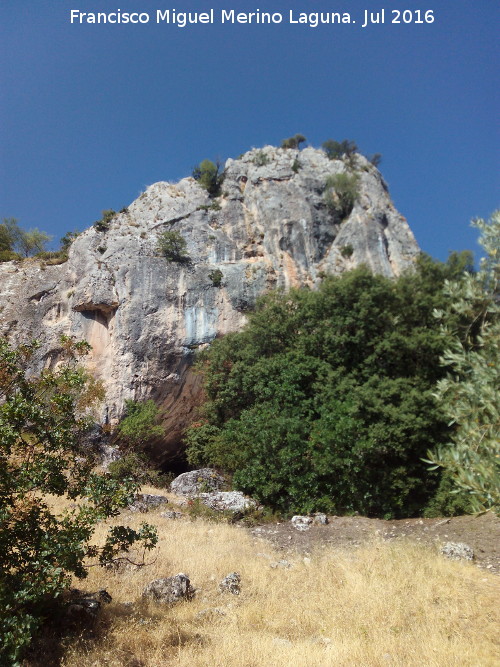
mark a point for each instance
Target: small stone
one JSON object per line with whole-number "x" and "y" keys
{"x": 169, "y": 590}
{"x": 320, "y": 519}
{"x": 279, "y": 641}
{"x": 171, "y": 515}
{"x": 145, "y": 501}
{"x": 231, "y": 583}
{"x": 457, "y": 551}
{"x": 283, "y": 564}
{"x": 301, "y": 523}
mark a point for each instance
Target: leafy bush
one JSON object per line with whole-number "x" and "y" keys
{"x": 260, "y": 159}
{"x": 346, "y": 250}
{"x": 102, "y": 225}
{"x": 336, "y": 150}
{"x": 13, "y": 238}
{"x": 140, "y": 423}
{"x": 54, "y": 257}
{"x": 172, "y": 245}
{"x": 138, "y": 467}
{"x": 42, "y": 420}
{"x": 470, "y": 393}
{"x": 293, "y": 142}
{"x": 341, "y": 193}
{"x": 324, "y": 401}
{"x": 9, "y": 256}
{"x": 209, "y": 176}
{"x": 67, "y": 240}
{"x": 216, "y": 277}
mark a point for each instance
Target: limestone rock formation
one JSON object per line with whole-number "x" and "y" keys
{"x": 145, "y": 316}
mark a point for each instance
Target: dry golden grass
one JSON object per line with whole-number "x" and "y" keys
{"x": 386, "y": 604}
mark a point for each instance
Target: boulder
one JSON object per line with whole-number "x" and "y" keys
{"x": 231, "y": 583}
{"x": 145, "y": 501}
{"x": 227, "y": 501}
{"x": 197, "y": 481}
{"x": 301, "y": 522}
{"x": 457, "y": 551}
{"x": 169, "y": 590}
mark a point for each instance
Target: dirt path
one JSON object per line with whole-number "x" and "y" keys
{"x": 482, "y": 533}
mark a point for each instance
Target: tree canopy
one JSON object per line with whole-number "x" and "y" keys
{"x": 324, "y": 401}
{"x": 42, "y": 453}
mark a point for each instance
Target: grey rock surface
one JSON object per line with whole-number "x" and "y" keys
{"x": 457, "y": 551}
{"x": 195, "y": 482}
{"x": 301, "y": 522}
{"x": 145, "y": 501}
{"x": 145, "y": 316}
{"x": 231, "y": 584}
{"x": 229, "y": 501}
{"x": 169, "y": 590}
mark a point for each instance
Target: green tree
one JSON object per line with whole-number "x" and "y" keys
{"x": 209, "y": 176}
{"x": 42, "y": 420}
{"x": 293, "y": 142}
{"x": 470, "y": 393}
{"x": 172, "y": 245}
{"x": 324, "y": 400}
{"x": 67, "y": 240}
{"x": 13, "y": 238}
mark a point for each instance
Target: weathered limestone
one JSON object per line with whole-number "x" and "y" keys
{"x": 145, "y": 316}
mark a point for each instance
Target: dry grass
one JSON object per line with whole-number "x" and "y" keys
{"x": 386, "y": 604}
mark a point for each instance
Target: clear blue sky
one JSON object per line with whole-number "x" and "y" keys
{"x": 91, "y": 114}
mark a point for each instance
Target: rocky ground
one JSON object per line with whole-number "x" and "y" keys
{"x": 481, "y": 533}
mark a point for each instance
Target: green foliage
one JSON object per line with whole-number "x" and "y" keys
{"x": 138, "y": 467}
{"x": 9, "y": 256}
{"x": 324, "y": 401}
{"x": 209, "y": 176}
{"x": 216, "y": 277}
{"x": 336, "y": 150}
{"x": 470, "y": 393}
{"x": 172, "y": 245}
{"x": 293, "y": 142}
{"x": 13, "y": 238}
{"x": 67, "y": 240}
{"x": 50, "y": 258}
{"x": 346, "y": 250}
{"x": 42, "y": 420}
{"x": 296, "y": 166}
{"x": 260, "y": 159}
{"x": 140, "y": 423}
{"x": 102, "y": 225}
{"x": 341, "y": 193}
{"x": 375, "y": 159}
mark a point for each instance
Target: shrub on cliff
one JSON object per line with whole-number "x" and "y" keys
{"x": 42, "y": 419}
{"x": 172, "y": 245}
{"x": 341, "y": 193}
{"x": 209, "y": 176}
{"x": 293, "y": 142}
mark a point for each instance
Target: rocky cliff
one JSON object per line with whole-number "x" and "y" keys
{"x": 144, "y": 316}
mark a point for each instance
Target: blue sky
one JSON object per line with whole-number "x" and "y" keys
{"x": 92, "y": 114}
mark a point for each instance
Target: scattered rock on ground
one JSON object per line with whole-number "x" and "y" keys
{"x": 145, "y": 501}
{"x": 320, "y": 519}
{"x": 301, "y": 522}
{"x": 283, "y": 564}
{"x": 169, "y": 590}
{"x": 457, "y": 551}
{"x": 171, "y": 515}
{"x": 197, "y": 481}
{"x": 232, "y": 501}
{"x": 84, "y": 607}
{"x": 231, "y": 584}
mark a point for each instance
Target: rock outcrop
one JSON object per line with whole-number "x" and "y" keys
{"x": 145, "y": 316}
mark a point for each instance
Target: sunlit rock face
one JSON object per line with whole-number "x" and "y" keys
{"x": 145, "y": 316}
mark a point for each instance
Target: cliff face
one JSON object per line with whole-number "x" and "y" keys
{"x": 145, "y": 316}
